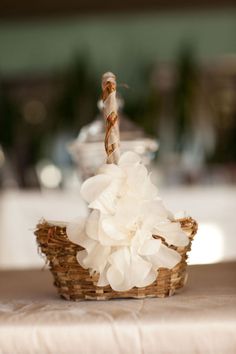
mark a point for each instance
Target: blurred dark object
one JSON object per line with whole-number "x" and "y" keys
{"x": 36, "y": 112}
{"x": 221, "y": 86}
{"x": 197, "y": 118}
{"x": 24, "y": 121}
{"x": 77, "y": 99}
{"x": 189, "y": 106}
{"x": 185, "y": 98}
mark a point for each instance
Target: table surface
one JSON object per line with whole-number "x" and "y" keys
{"x": 200, "y": 319}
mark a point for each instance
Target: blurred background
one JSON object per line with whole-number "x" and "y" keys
{"x": 175, "y": 63}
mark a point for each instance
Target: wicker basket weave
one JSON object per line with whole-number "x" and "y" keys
{"x": 74, "y": 282}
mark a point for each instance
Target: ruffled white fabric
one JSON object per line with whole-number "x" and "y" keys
{"x": 117, "y": 236}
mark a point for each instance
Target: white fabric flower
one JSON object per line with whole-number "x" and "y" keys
{"x": 117, "y": 236}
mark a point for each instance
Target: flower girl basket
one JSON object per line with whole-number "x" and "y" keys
{"x": 73, "y": 281}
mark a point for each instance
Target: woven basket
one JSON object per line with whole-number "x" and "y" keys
{"x": 74, "y": 282}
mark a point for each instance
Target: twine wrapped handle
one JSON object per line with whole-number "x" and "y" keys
{"x": 112, "y": 138}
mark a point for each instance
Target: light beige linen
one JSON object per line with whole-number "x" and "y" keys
{"x": 202, "y": 319}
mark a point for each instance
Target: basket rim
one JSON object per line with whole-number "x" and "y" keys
{"x": 65, "y": 223}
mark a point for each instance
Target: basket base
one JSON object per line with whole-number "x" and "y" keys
{"x": 75, "y": 283}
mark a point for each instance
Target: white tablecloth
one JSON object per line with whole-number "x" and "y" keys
{"x": 201, "y": 319}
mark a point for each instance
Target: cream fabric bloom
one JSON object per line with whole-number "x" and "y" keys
{"x": 117, "y": 236}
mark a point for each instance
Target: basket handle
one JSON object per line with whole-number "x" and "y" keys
{"x": 112, "y": 136}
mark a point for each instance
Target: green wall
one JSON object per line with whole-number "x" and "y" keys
{"x": 119, "y": 43}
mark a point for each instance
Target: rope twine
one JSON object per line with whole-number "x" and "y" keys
{"x": 112, "y": 137}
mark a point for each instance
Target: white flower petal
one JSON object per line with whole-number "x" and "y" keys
{"x": 139, "y": 238}
{"x": 112, "y": 170}
{"x": 139, "y": 269}
{"x": 136, "y": 177}
{"x": 106, "y": 240}
{"x": 114, "y": 276}
{"x": 92, "y": 223}
{"x": 148, "y": 280}
{"x": 75, "y": 230}
{"x": 152, "y": 213}
{"x": 172, "y": 233}
{"x": 127, "y": 211}
{"x": 76, "y": 233}
{"x": 117, "y": 281}
{"x": 181, "y": 214}
{"x": 154, "y": 207}
{"x": 129, "y": 158}
{"x": 150, "y": 190}
{"x": 106, "y": 201}
{"x": 102, "y": 281}
{"x": 150, "y": 247}
{"x": 165, "y": 258}
{"x": 96, "y": 259}
{"x": 81, "y": 255}
{"x": 139, "y": 273}
{"x": 170, "y": 215}
{"x": 111, "y": 230}
{"x": 94, "y": 186}
{"x": 120, "y": 259}
{"x": 119, "y": 269}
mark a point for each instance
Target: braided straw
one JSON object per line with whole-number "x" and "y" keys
{"x": 112, "y": 138}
